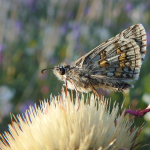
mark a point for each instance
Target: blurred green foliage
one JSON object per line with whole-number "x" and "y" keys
{"x": 37, "y": 34}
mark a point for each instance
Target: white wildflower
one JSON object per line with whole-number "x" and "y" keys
{"x": 60, "y": 125}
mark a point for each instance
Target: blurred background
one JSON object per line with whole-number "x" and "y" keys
{"x": 37, "y": 34}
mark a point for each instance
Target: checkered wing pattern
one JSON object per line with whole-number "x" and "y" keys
{"x": 118, "y": 60}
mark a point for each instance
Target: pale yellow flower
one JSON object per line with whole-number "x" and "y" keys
{"x": 60, "y": 125}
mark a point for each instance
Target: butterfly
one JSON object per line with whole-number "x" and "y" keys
{"x": 111, "y": 65}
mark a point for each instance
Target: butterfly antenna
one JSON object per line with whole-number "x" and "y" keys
{"x": 42, "y": 71}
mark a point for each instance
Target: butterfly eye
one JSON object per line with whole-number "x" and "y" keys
{"x": 61, "y": 71}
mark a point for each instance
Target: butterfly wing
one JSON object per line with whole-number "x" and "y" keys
{"x": 118, "y": 60}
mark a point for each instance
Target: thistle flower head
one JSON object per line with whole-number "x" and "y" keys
{"x": 59, "y": 125}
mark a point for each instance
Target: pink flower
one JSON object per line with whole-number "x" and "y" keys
{"x": 139, "y": 113}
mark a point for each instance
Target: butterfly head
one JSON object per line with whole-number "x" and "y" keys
{"x": 59, "y": 71}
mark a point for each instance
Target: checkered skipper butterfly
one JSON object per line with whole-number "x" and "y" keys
{"x": 111, "y": 65}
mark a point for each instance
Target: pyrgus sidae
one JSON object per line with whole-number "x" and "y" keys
{"x": 111, "y": 65}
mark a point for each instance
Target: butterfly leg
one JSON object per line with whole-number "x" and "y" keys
{"x": 77, "y": 94}
{"x": 72, "y": 95}
{"x": 66, "y": 88}
{"x": 95, "y": 92}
